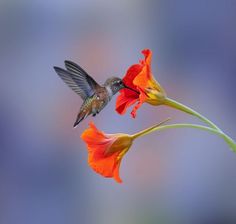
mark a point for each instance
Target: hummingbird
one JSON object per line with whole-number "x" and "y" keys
{"x": 95, "y": 97}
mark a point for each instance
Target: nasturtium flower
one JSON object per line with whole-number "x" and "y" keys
{"x": 144, "y": 88}
{"x": 140, "y": 78}
{"x": 105, "y": 151}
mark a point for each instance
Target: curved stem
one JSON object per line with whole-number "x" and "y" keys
{"x": 227, "y": 139}
{"x": 179, "y": 106}
{"x": 149, "y": 130}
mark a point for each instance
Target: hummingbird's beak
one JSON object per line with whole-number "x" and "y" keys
{"x": 127, "y": 87}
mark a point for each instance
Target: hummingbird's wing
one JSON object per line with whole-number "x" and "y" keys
{"x": 77, "y": 79}
{"x": 78, "y": 71}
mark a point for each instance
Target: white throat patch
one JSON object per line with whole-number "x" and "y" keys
{"x": 110, "y": 93}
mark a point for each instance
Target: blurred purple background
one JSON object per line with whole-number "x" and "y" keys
{"x": 176, "y": 176}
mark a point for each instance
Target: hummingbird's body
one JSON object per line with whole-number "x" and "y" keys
{"x": 94, "y": 104}
{"x": 95, "y": 96}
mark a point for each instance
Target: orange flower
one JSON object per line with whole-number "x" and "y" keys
{"x": 140, "y": 78}
{"x": 105, "y": 151}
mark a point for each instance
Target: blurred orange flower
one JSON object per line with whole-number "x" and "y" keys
{"x": 105, "y": 151}
{"x": 140, "y": 78}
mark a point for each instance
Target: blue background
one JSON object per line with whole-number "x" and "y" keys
{"x": 175, "y": 176}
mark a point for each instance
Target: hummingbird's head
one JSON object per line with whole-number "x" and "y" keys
{"x": 115, "y": 84}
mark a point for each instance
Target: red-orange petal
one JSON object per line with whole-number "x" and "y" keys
{"x": 131, "y": 73}
{"x": 142, "y": 98}
{"x": 128, "y": 97}
{"x": 123, "y": 102}
{"x": 145, "y": 74}
{"x": 137, "y": 77}
{"x": 98, "y": 143}
{"x": 117, "y": 172}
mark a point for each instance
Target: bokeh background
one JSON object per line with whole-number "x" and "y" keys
{"x": 176, "y": 176}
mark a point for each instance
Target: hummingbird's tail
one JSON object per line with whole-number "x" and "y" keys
{"x": 81, "y": 116}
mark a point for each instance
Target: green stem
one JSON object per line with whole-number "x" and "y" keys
{"x": 182, "y": 107}
{"x": 149, "y": 130}
{"x": 179, "y": 106}
{"x": 227, "y": 139}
